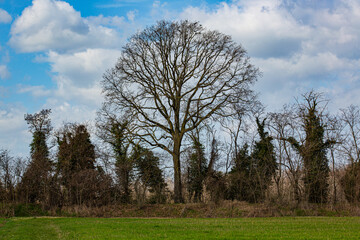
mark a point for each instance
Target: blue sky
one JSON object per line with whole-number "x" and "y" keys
{"x": 53, "y": 53}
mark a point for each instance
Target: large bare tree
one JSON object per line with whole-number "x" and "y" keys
{"x": 174, "y": 76}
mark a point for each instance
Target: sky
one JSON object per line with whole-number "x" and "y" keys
{"x": 53, "y": 53}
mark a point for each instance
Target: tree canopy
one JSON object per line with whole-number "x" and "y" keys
{"x": 174, "y": 76}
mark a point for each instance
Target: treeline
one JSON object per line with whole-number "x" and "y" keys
{"x": 301, "y": 154}
{"x": 179, "y": 101}
{"x": 72, "y": 175}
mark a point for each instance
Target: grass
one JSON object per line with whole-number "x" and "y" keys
{"x": 181, "y": 228}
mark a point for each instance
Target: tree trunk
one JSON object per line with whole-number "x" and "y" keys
{"x": 177, "y": 171}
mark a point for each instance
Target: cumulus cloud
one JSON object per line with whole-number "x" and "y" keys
{"x": 77, "y": 76}
{"x": 296, "y": 46}
{"x": 56, "y": 25}
{"x": 83, "y": 68}
{"x": 263, "y": 27}
{"x": 5, "y": 16}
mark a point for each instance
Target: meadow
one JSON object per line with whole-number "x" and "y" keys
{"x": 180, "y": 228}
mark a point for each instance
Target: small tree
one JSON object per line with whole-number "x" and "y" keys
{"x": 350, "y": 119}
{"x": 252, "y": 173}
{"x": 7, "y": 178}
{"x": 350, "y": 182}
{"x": 147, "y": 166}
{"x": 241, "y": 176}
{"x": 284, "y": 125}
{"x": 264, "y": 159}
{"x": 313, "y": 150}
{"x": 117, "y": 133}
{"x": 35, "y": 182}
{"x": 197, "y": 170}
{"x": 76, "y": 162}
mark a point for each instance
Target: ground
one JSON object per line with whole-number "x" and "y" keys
{"x": 181, "y": 228}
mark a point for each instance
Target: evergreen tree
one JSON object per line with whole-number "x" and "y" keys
{"x": 76, "y": 163}
{"x": 117, "y": 134}
{"x": 241, "y": 179}
{"x": 251, "y": 174}
{"x": 264, "y": 159}
{"x": 197, "y": 170}
{"x": 76, "y": 152}
{"x": 124, "y": 164}
{"x": 35, "y": 182}
{"x": 147, "y": 166}
{"x": 313, "y": 150}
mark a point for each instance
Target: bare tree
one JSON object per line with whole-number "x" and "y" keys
{"x": 7, "y": 175}
{"x": 350, "y": 149}
{"x": 350, "y": 118}
{"x": 333, "y": 130}
{"x": 39, "y": 122}
{"x": 283, "y": 126}
{"x": 172, "y": 77}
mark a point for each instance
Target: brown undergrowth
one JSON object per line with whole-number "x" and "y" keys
{"x": 225, "y": 209}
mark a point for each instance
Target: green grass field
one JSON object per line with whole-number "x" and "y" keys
{"x": 181, "y": 228}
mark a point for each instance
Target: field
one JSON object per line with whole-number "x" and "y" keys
{"x": 181, "y": 228}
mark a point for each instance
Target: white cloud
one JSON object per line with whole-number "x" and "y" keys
{"x": 13, "y": 130}
{"x": 56, "y": 25}
{"x": 63, "y": 112}
{"x": 77, "y": 76}
{"x": 5, "y": 16}
{"x": 284, "y": 79}
{"x": 131, "y": 15}
{"x": 82, "y": 69}
{"x": 160, "y": 11}
{"x": 36, "y": 91}
{"x": 4, "y": 72}
{"x": 114, "y": 21}
{"x": 90, "y": 96}
{"x": 264, "y": 28}
{"x": 297, "y": 48}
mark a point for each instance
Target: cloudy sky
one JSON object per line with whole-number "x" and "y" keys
{"x": 53, "y": 53}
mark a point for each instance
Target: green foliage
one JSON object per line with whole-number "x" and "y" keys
{"x": 265, "y": 161}
{"x": 252, "y": 174}
{"x": 38, "y": 147}
{"x": 197, "y": 170}
{"x": 314, "y": 156}
{"x": 241, "y": 176}
{"x": 76, "y": 165}
{"x": 29, "y": 210}
{"x": 118, "y": 139}
{"x": 34, "y": 186}
{"x": 313, "y": 151}
{"x": 76, "y": 152}
{"x": 147, "y": 166}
